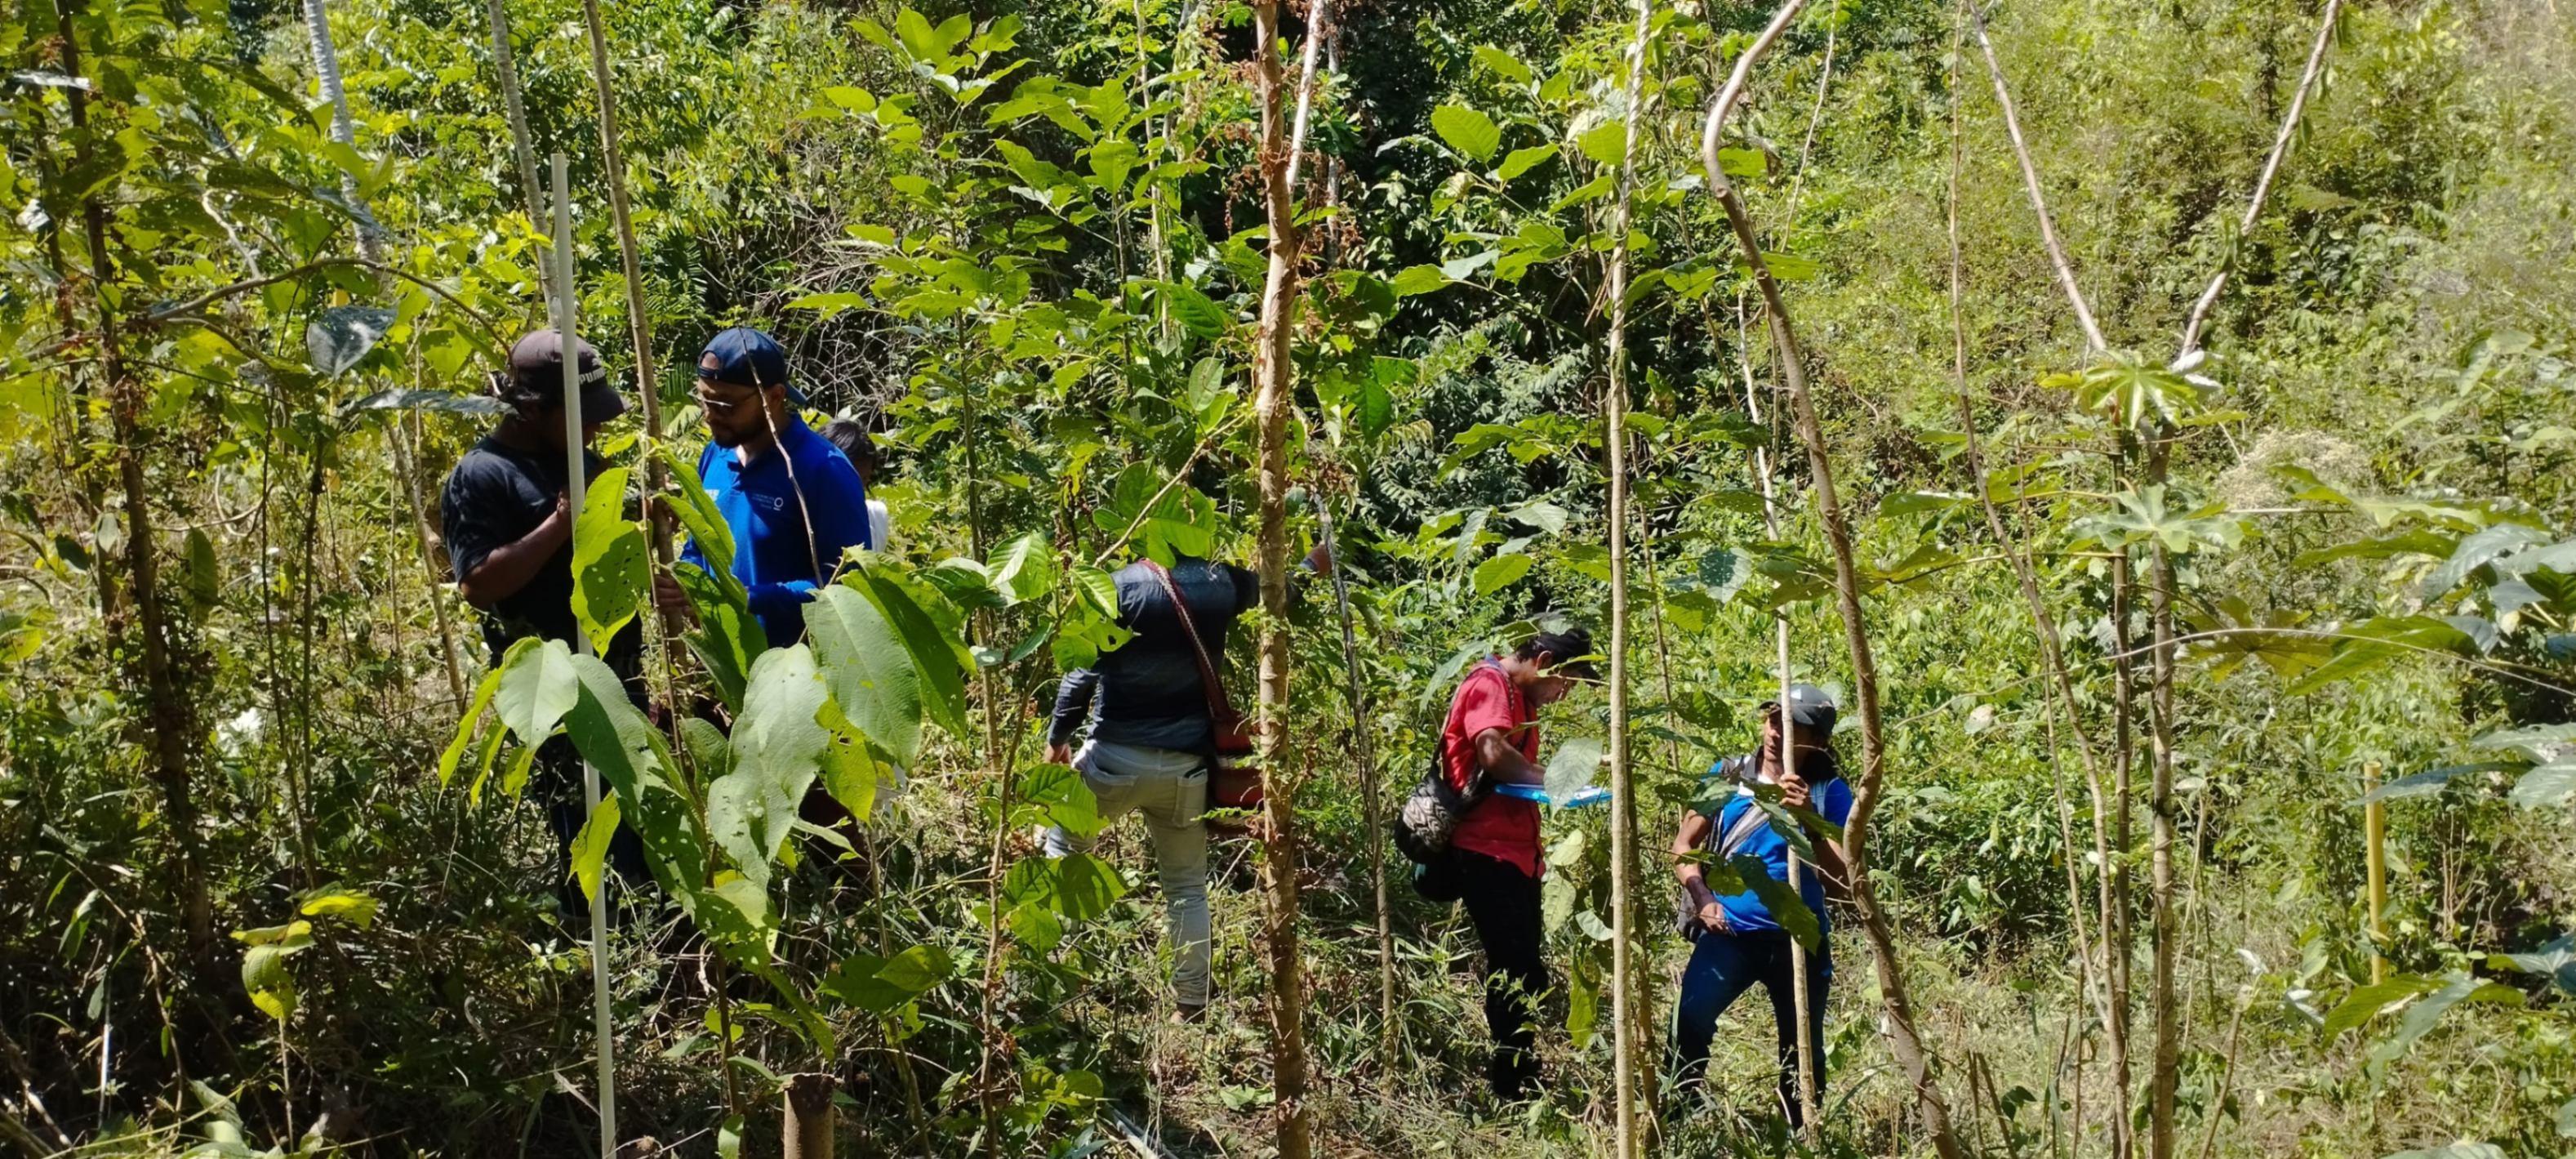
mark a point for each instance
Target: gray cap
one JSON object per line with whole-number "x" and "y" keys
{"x": 1809, "y": 707}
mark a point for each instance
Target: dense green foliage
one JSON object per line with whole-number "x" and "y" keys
{"x": 260, "y": 888}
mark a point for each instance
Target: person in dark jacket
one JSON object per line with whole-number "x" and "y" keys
{"x": 507, "y": 516}
{"x": 1153, "y": 742}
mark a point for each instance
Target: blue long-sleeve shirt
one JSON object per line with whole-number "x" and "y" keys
{"x": 763, "y": 506}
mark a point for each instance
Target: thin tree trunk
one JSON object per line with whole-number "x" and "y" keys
{"x": 344, "y": 127}
{"x": 2043, "y": 623}
{"x": 603, "y": 1027}
{"x": 522, "y": 146}
{"x": 167, "y": 703}
{"x": 2030, "y": 181}
{"x": 2115, "y": 919}
{"x": 1624, "y": 1012}
{"x": 2271, "y": 168}
{"x": 1903, "y": 1039}
{"x": 808, "y": 1127}
{"x": 1364, "y": 750}
{"x": 2160, "y": 806}
{"x": 1271, "y": 374}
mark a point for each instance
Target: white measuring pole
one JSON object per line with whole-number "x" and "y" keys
{"x": 576, "y": 482}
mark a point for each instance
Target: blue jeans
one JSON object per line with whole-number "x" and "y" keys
{"x": 1722, "y": 967}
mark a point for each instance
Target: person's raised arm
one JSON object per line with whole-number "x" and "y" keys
{"x": 1831, "y": 861}
{"x": 507, "y": 568}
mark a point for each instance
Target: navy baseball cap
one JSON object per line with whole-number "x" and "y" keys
{"x": 747, "y": 357}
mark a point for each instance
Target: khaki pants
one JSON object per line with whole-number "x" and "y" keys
{"x": 1141, "y": 780}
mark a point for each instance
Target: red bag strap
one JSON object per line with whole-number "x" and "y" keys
{"x": 1220, "y": 706}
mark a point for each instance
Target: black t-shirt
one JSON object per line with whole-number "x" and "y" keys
{"x": 497, "y": 494}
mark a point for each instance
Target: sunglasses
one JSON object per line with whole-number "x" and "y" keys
{"x": 714, "y": 405}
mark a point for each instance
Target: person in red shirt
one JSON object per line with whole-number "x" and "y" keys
{"x": 1493, "y": 859}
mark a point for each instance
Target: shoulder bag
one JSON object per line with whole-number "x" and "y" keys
{"x": 1236, "y": 780}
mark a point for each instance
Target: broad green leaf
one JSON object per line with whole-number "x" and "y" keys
{"x": 736, "y": 916}
{"x": 2548, "y": 786}
{"x": 777, "y": 752}
{"x": 1061, "y": 798}
{"x": 338, "y": 337}
{"x": 2555, "y": 961}
{"x": 2366, "y": 1002}
{"x": 613, "y": 736}
{"x": 1467, "y": 131}
{"x": 1025, "y": 568}
{"x": 940, "y": 670}
{"x": 1419, "y": 280}
{"x": 483, "y": 692}
{"x": 1785, "y": 905}
{"x": 1605, "y": 143}
{"x": 265, "y": 978}
{"x": 1593, "y": 190}
{"x": 590, "y": 846}
{"x": 872, "y": 677}
{"x": 609, "y": 570}
{"x": 1520, "y": 161}
{"x": 697, "y": 513}
{"x": 852, "y": 767}
{"x": 539, "y": 684}
{"x": 879, "y": 985}
{"x": 1498, "y": 573}
{"x": 2477, "y": 551}
{"x": 1099, "y": 590}
{"x": 727, "y": 639}
{"x": 2375, "y": 642}
{"x": 2420, "y": 1016}
{"x": 204, "y": 577}
{"x": 1576, "y": 762}
{"x": 357, "y": 909}
{"x": 1194, "y": 310}
{"x": 1504, "y": 64}
{"x": 2430, "y": 782}
{"x": 1085, "y": 887}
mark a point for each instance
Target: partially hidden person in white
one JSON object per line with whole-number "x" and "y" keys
{"x": 852, "y": 438}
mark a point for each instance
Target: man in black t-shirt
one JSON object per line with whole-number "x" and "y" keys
{"x": 508, "y": 521}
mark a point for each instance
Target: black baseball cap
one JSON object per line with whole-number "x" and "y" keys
{"x": 537, "y": 376}
{"x": 1809, "y": 707}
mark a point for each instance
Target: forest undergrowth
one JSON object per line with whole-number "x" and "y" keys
{"x": 2154, "y": 422}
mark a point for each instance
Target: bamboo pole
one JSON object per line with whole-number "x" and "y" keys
{"x": 1905, "y": 1042}
{"x": 576, "y": 476}
{"x": 2374, "y": 832}
{"x": 1624, "y": 1014}
{"x": 639, "y": 317}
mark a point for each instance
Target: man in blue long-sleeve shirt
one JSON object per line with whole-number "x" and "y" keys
{"x": 792, "y": 499}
